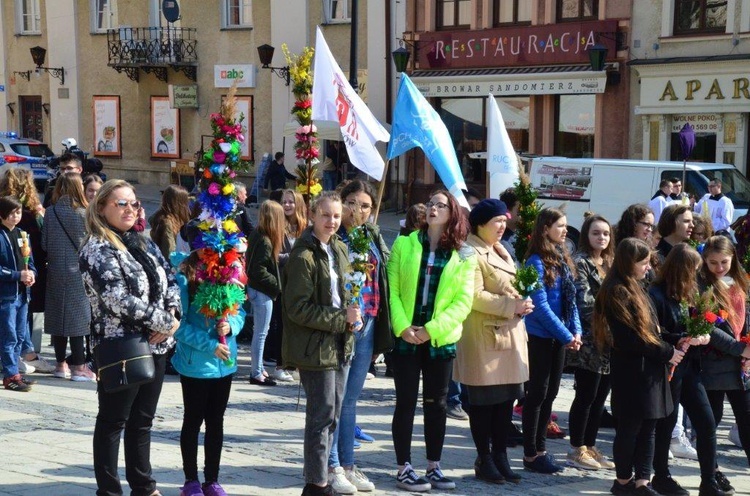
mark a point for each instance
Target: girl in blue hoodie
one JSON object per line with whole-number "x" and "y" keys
{"x": 206, "y": 368}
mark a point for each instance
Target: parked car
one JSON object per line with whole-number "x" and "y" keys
{"x": 28, "y": 153}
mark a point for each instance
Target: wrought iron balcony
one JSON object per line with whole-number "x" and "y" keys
{"x": 153, "y": 50}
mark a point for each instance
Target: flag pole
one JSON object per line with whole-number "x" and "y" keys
{"x": 380, "y": 192}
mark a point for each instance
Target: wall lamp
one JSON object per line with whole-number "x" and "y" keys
{"x": 23, "y": 74}
{"x": 11, "y": 108}
{"x": 37, "y": 54}
{"x": 265, "y": 54}
{"x": 598, "y": 52}
{"x": 45, "y": 107}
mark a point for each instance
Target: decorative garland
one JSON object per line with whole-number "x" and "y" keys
{"x": 220, "y": 270}
{"x": 528, "y": 209}
{"x": 307, "y": 147}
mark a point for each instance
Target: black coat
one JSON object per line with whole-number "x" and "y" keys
{"x": 672, "y": 329}
{"x": 639, "y": 371}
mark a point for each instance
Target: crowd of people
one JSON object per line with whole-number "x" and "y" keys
{"x": 442, "y": 303}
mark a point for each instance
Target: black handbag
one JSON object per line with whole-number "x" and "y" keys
{"x": 124, "y": 362}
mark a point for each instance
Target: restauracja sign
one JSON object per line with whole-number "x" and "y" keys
{"x": 529, "y": 45}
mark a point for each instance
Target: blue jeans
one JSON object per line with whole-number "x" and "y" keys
{"x": 14, "y": 325}
{"x": 342, "y": 449}
{"x": 454, "y": 392}
{"x": 262, "y": 308}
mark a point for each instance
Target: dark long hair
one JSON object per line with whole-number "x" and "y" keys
{"x": 630, "y": 217}
{"x": 457, "y": 227}
{"x": 623, "y": 296}
{"x": 677, "y": 273}
{"x": 584, "y": 245}
{"x": 549, "y": 253}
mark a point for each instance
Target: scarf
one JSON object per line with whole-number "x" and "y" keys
{"x": 136, "y": 245}
{"x": 568, "y": 289}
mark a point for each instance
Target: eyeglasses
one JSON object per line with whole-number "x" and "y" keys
{"x": 646, "y": 225}
{"x": 355, "y": 204}
{"x": 438, "y": 205}
{"x": 69, "y": 168}
{"x": 122, "y": 204}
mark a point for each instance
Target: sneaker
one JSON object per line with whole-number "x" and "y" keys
{"x": 723, "y": 482}
{"x": 15, "y": 383}
{"x": 359, "y": 480}
{"x": 645, "y": 490}
{"x": 27, "y": 381}
{"x": 437, "y": 480}
{"x": 734, "y": 436}
{"x": 581, "y": 458}
{"x": 62, "y": 371}
{"x": 667, "y": 486}
{"x": 601, "y": 459}
{"x": 25, "y": 368}
{"x": 456, "y": 412}
{"x": 281, "y": 375}
{"x": 82, "y": 375}
{"x": 543, "y": 464}
{"x": 41, "y": 365}
{"x": 337, "y": 479}
{"x": 681, "y": 448}
{"x": 213, "y": 489}
{"x": 407, "y": 479}
{"x": 362, "y": 436}
{"x": 518, "y": 412}
{"x": 191, "y": 488}
{"x": 369, "y": 376}
{"x": 711, "y": 488}
{"x": 623, "y": 489}
{"x": 554, "y": 431}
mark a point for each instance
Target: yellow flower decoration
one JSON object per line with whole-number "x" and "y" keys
{"x": 230, "y": 226}
{"x": 228, "y": 189}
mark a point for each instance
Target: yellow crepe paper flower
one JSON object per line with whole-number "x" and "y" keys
{"x": 231, "y": 226}
{"x": 228, "y": 189}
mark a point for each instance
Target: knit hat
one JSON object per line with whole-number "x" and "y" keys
{"x": 485, "y": 210}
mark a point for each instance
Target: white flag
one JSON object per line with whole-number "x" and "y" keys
{"x": 335, "y": 100}
{"x": 502, "y": 164}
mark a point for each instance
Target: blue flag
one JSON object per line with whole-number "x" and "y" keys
{"x": 415, "y": 123}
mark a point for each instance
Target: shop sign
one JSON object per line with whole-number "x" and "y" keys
{"x": 696, "y": 90}
{"x": 225, "y": 75}
{"x": 183, "y": 96}
{"x": 502, "y": 86}
{"x": 562, "y": 43}
{"x": 702, "y": 123}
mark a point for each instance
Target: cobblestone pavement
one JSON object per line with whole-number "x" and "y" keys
{"x": 47, "y": 435}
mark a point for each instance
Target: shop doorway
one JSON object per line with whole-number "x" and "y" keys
{"x": 704, "y": 151}
{"x": 31, "y": 117}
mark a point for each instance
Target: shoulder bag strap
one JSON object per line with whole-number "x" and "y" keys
{"x": 75, "y": 245}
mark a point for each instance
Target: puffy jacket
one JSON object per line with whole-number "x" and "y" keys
{"x": 454, "y": 297}
{"x": 545, "y": 321}
{"x": 197, "y": 339}
{"x": 314, "y": 335}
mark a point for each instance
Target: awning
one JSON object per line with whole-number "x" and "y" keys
{"x": 507, "y": 81}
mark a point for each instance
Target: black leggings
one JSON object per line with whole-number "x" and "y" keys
{"x": 77, "y": 349}
{"x": 490, "y": 422}
{"x": 586, "y": 410}
{"x": 687, "y": 390}
{"x": 546, "y": 361}
{"x": 436, "y": 374}
{"x": 205, "y": 400}
{"x": 272, "y": 348}
{"x": 740, "y": 402}
{"x": 633, "y": 448}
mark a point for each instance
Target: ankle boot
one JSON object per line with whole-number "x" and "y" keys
{"x": 485, "y": 469}
{"x": 503, "y": 466}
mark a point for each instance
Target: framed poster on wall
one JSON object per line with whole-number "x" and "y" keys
{"x": 165, "y": 129}
{"x": 245, "y": 106}
{"x": 107, "y": 136}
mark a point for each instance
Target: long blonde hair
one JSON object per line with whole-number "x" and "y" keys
{"x": 96, "y": 225}
{"x": 300, "y": 211}
{"x": 271, "y": 225}
{"x": 19, "y": 182}
{"x": 70, "y": 184}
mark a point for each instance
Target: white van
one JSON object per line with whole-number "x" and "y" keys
{"x": 608, "y": 186}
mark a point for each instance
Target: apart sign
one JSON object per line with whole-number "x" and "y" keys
{"x": 225, "y": 75}
{"x": 183, "y": 96}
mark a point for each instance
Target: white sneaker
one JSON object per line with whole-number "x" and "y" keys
{"x": 369, "y": 376}
{"x": 681, "y": 448}
{"x": 41, "y": 365}
{"x": 734, "y": 436}
{"x": 282, "y": 375}
{"x": 358, "y": 479}
{"x": 25, "y": 368}
{"x": 338, "y": 481}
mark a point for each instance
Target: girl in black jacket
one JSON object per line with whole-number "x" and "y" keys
{"x": 624, "y": 321}
{"x": 676, "y": 283}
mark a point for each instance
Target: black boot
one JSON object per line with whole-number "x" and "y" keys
{"x": 485, "y": 469}
{"x": 501, "y": 462}
{"x": 711, "y": 488}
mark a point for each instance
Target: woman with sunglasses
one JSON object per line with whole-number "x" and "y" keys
{"x": 132, "y": 291}
{"x": 431, "y": 275}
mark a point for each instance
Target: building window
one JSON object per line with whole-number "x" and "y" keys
{"x": 237, "y": 14}
{"x": 453, "y": 14}
{"x": 575, "y": 117}
{"x": 700, "y": 16}
{"x": 577, "y": 10}
{"x": 336, "y": 11}
{"x": 103, "y": 15}
{"x": 508, "y": 12}
{"x": 28, "y": 17}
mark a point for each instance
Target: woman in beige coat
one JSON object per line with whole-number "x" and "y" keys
{"x": 492, "y": 359}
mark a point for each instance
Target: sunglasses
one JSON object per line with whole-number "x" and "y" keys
{"x": 122, "y": 204}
